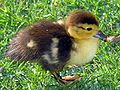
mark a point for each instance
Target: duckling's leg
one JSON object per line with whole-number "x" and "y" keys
{"x": 66, "y": 80}
{"x": 58, "y": 78}
{"x": 71, "y": 78}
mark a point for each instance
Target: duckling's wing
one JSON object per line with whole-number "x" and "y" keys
{"x": 45, "y": 42}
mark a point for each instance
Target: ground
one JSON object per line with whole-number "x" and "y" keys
{"x": 101, "y": 74}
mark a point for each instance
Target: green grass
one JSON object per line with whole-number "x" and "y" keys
{"x": 102, "y": 74}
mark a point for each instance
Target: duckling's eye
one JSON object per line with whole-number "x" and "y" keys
{"x": 89, "y": 29}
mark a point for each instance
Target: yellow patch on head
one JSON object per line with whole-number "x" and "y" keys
{"x": 83, "y": 31}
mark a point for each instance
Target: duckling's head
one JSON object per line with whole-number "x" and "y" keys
{"x": 82, "y": 25}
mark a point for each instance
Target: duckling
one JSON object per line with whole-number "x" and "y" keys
{"x": 55, "y": 45}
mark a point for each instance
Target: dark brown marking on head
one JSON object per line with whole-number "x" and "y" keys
{"x": 77, "y": 17}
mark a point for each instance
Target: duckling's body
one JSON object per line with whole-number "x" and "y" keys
{"x": 56, "y": 45}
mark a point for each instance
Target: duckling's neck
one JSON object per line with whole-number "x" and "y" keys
{"x": 83, "y": 51}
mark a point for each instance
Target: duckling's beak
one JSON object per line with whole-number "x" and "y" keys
{"x": 101, "y": 36}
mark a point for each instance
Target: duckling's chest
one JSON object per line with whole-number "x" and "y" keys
{"x": 84, "y": 52}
